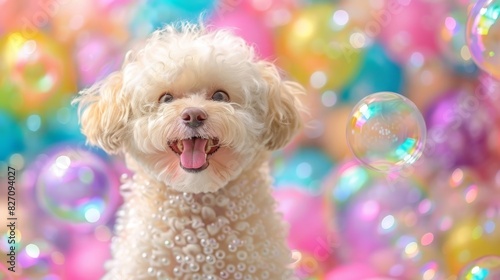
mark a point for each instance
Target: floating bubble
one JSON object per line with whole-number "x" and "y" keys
{"x": 485, "y": 268}
{"x": 77, "y": 187}
{"x": 483, "y": 35}
{"x": 386, "y": 132}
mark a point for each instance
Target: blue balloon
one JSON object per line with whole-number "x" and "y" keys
{"x": 154, "y": 14}
{"x": 11, "y": 136}
{"x": 305, "y": 168}
{"x": 377, "y": 73}
{"x": 62, "y": 126}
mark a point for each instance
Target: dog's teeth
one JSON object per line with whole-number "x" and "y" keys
{"x": 208, "y": 146}
{"x": 180, "y": 146}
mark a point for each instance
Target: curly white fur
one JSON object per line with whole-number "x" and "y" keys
{"x": 173, "y": 222}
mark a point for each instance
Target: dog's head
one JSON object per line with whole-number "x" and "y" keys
{"x": 193, "y": 108}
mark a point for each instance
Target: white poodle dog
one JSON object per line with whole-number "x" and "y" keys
{"x": 196, "y": 115}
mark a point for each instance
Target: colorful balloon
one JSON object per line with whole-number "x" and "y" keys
{"x": 85, "y": 258}
{"x": 298, "y": 207}
{"x": 76, "y": 186}
{"x": 458, "y": 126}
{"x": 485, "y": 268}
{"x": 426, "y": 82}
{"x": 315, "y": 47}
{"x": 37, "y": 73}
{"x": 62, "y": 125}
{"x": 12, "y": 140}
{"x": 472, "y": 238}
{"x": 386, "y": 132}
{"x": 408, "y": 29}
{"x": 96, "y": 56}
{"x": 76, "y": 21}
{"x": 305, "y": 169}
{"x": 250, "y": 27}
{"x": 483, "y": 35}
{"x": 381, "y": 223}
{"x": 352, "y": 271}
{"x": 377, "y": 73}
{"x": 272, "y": 13}
{"x": 333, "y": 141}
{"x": 461, "y": 194}
{"x": 153, "y": 14}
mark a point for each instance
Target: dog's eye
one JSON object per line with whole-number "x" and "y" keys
{"x": 220, "y": 96}
{"x": 166, "y": 98}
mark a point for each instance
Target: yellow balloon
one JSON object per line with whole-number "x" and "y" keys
{"x": 36, "y": 73}
{"x": 316, "y": 47}
{"x": 472, "y": 238}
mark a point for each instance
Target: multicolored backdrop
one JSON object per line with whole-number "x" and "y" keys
{"x": 430, "y": 217}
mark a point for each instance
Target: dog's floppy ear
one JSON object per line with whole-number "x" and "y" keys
{"x": 104, "y": 112}
{"x": 283, "y": 119}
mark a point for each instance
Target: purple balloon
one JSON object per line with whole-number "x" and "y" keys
{"x": 458, "y": 124}
{"x": 96, "y": 56}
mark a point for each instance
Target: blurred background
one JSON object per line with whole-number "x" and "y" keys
{"x": 432, "y": 218}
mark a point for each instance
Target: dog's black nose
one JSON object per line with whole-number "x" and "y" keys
{"x": 193, "y": 117}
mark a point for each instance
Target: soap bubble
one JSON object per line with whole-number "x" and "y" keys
{"x": 77, "y": 187}
{"x": 483, "y": 35}
{"x": 386, "y": 132}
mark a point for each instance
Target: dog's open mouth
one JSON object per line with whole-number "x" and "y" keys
{"x": 194, "y": 152}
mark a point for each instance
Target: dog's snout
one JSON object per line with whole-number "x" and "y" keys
{"x": 193, "y": 117}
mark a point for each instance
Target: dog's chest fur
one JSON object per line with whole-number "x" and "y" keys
{"x": 233, "y": 233}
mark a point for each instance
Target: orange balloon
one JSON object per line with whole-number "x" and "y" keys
{"x": 334, "y": 140}
{"x": 427, "y": 81}
{"x": 75, "y": 19}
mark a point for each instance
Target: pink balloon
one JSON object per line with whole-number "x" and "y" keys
{"x": 86, "y": 258}
{"x": 352, "y": 271}
{"x": 96, "y": 55}
{"x": 308, "y": 230}
{"x": 250, "y": 27}
{"x": 408, "y": 29}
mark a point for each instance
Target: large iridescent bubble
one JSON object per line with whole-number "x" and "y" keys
{"x": 386, "y": 132}
{"x": 483, "y": 35}
{"x": 76, "y": 186}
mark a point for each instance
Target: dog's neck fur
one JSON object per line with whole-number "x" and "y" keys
{"x": 182, "y": 235}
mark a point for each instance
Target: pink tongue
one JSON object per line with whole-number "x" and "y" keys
{"x": 193, "y": 156}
